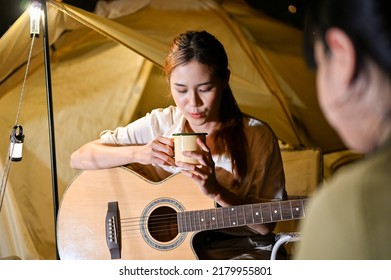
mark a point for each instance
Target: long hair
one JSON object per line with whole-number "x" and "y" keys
{"x": 204, "y": 48}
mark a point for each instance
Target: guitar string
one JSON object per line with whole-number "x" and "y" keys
{"x": 163, "y": 225}
{"x": 160, "y": 223}
{"x": 156, "y": 223}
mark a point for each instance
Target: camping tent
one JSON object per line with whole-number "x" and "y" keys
{"x": 106, "y": 71}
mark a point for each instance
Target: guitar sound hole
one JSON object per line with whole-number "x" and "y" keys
{"x": 162, "y": 224}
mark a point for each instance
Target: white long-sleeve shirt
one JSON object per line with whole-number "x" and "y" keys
{"x": 265, "y": 180}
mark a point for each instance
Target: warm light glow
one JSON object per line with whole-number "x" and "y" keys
{"x": 35, "y": 12}
{"x": 292, "y": 9}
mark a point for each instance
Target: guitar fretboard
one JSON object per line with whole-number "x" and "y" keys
{"x": 234, "y": 216}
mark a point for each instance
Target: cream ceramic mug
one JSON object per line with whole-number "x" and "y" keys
{"x": 187, "y": 142}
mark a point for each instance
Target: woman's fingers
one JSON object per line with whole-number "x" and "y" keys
{"x": 162, "y": 151}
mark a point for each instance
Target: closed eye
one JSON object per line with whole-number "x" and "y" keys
{"x": 208, "y": 89}
{"x": 181, "y": 90}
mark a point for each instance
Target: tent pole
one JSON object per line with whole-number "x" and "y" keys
{"x": 50, "y": 117}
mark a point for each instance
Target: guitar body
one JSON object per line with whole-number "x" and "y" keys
{"x": 81, "y": 226}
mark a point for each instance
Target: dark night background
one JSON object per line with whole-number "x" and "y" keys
{"x": 11, "y": 9}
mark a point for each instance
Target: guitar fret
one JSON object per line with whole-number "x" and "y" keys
{"x": 207, "y": 220}
{"x": 233, "y": 216}
{"x": 210, "y": 218}
{"x": 185, "y": 223}
{"x": 286, "y": 210}
{"x": 241, "y": 214}
{"x": 297, "y": 208}
{"x": 226, "y": 217}
{"x": 248, "y": 214}
{"x": 179, "y": 217}
{"x": 265, "y": 213}
{"x": 188, "y": 221}
{"x": 192, "y": 220}
{"x": 197, "y": 220}
{"x": 236, "y": 216}
{"x": 261, "y": 213}
{"x": 275, "y": 210}
{"x": 187, "y": 226}
{"x": 215, "y": 219}
{"x": 258, "y": 218}
{"x": 279, "y": 204}
{"x": 220, "y": 218}
{"x": 252, "y": 214}
{"x": 202, "y": 220}
{"x": 180, "y": 222}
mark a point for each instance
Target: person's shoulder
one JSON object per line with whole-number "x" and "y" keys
{"x": 256, "y": 126}
{"x": 252, "y": 121}
{"x": 345, "y": 189}
{"x": 366, "y": 179}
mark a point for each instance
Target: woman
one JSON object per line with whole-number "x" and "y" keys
{"x": 240, "y": 162}
{"x": 349, "y": 41}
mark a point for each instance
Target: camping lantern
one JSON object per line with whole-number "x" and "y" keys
{"x": 16, "y": 145}
{"x": 35, "y": 15}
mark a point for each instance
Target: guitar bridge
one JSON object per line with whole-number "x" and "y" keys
{"x": 113, "y": 230}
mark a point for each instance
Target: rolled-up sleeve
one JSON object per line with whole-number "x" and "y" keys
{"x": 142, "y": 131}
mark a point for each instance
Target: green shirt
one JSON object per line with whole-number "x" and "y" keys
{"x": 350, "y": 217}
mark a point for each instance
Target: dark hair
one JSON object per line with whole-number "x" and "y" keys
{"x": 366, "y": 22}
{"x": 204, "y": 48}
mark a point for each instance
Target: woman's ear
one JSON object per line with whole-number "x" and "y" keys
{"x": 342, "y": 54}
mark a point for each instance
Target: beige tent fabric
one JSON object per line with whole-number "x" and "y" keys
{"x": 270, "y": 79}
{"x": 17, "y": 242}
{"x": 106, "y": 72}
{"x": 83, "y": 107}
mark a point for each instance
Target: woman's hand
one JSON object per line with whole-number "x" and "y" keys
{"x": 159, "y": 151}
{"x": 204, "y": 172}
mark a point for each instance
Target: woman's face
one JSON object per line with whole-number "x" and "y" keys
{"x": 335, "y": 91}
{"x": 197, "y": 93}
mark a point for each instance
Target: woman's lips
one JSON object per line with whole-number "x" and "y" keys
{"x": 196, "y": 115}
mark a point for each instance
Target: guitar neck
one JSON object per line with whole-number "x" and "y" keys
{"x": 242, "y": 215}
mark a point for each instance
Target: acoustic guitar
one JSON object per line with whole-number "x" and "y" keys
{"x": 119, "y": 214}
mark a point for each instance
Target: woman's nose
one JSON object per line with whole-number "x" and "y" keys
{"x": 194, "y": 99}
